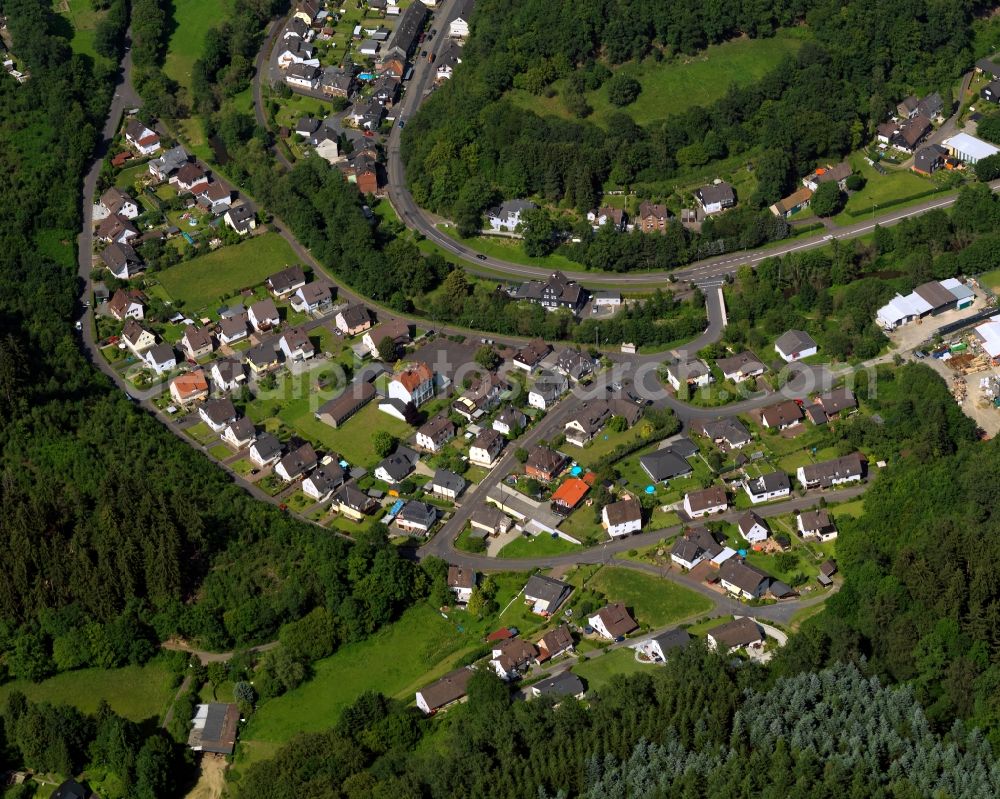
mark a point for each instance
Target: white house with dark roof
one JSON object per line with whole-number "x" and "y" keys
{"x": 240, "y": 433}
{"x": 767, "y": 487}
{"x": 692, "y": 373}
{"x": 161, "y": 358}
{"x": 461, "y": 582}
{"x": 218, "y": 413}
{"x": 705, "y": 501}
{"x": 794, "y": 345}
{"x": 753, "y": 528}
{"x": 622, "y": 518}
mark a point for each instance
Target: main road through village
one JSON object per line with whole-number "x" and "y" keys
{"x": 637, "y": 372}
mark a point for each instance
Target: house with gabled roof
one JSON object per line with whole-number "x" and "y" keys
{"x": 265, "y": 450}
{"x": 435, "y": 433}
{"x": 741, "y": 633}
{"x": 767, "y": 487}
{"x": 263, "y": 315}
{"x": 342, "y": 407}
{"x": 353, "y": 319}
{"x": 127, "y": 305}
{"x": 189, "y": 387}
{"x": 461, "y": 582}
{"x": 121, "y": 260}
{"x": 741, "y": 366}
{"x": 396, "y": 467}
{"x": 784, "y": 414}
{"x": 486, "y": 448}
{"x": 545, "y": 594}
{"x": 353, "y": 503}
{"x": 743, "y": 580}
{"x": 197, "y": 342}
{"x": 322, "y": 482}
{"x": 753, "y": 528}
{"x": 705, "y": 501}
{"x": 695, "y": 545}
{"x": 794, "y": 345}
{"x": 114, "y": 201}
{"x": 143, "y": 139}
{"x": 240, "y": 433}
{"x": 137, "y": 338}
{"x": 510, "y": 421}
{"x": 449, "y": 689}
{"x": 659, "y": 647}
{"x": 287, "y": 281}
{"x": 664, "y": 464}
{"x": 296, "y": 463}
{"x": 218, "y": 413}
{"x": 729, "y": 433}
{"x": 554, "y": 643}
{"x": 693, "y": 372}
{"x": 160, "y": 358}
{"x": 613, "y": 621}
{"x": 544, "y": 464}
{"x": 622, "y": 518}
{"x": 446, "y": 485}
{"x": 848, "y": 469}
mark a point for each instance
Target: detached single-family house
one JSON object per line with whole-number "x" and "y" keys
{"x": 240, "y": 433}
{"x": 215, "y": 198}
{"x": 218, "y": 413}
{"x": 116, "y": 229}
{"x": 189, "y": 179}
{"x": 816, "y": 524}
{"x": 928, "y": 160}
{"x": 189, "y": 387}
{"x": 507, "y": 216}
{"x": 160, "y": 358}
{"x": 581, "y": 429}
{"x": 263, "y": 315}
{"x": 342, "y": 407}
{"x": 605, "y": 215}
{"x": 664, "y": 464}
{"x": 461, "y": 582}
{"x": 613, "y": 622}
{"x": 716, "y": 197}
{"x": 296, "y": 51}
{"x": 659, "y": 647}
{"x": 295, "y": 345}
{"x": 127, "y": 305}
{"x": 552, "y": 294}
{"x": 829, "y": 174}
{"x": 163, "y": 167}
{"x": 353, "y": 319}
{"x": 446, "y": 485}
{"x": 753, "y": 528}
{"x": 743, "y": 580}
{"x": 486, "y": 448}
{"x": 265, "y": 451}
{"x": 705, "y": 501}
{"x": 121, "y": 260}
{"x": 137, "y": 338}
{"x": 398, "y": 331}
{"x": 554, "y": 643}
{"x": 547, "y": 390}
{"x": 353, "y": 503}
{"x": 303, "y": 76}
{"x": 794, "y": 345}
{"x": 544, "y": 464}
{"x": 847, "y": 469}
{"x": 241, "y": 218}
{"x": 694, "y": 546}
{"x": 435, "y": 433}
{"x": 444, "y": 692}
{"x": 740, "y": 367}
{"x": 395, "y": 468}
{"x": 413, "y": 385}
{"x": 652, "y": 218}
{"x": 482, "y": 396}
{"x": 296, "y": 463}
{"x": 142, "y": 139}
{"x": 312, "y": 298}
{"x": 784, "y": 414}
{"x": 320, "y": 485}
{"x": 693, "y": 373}
{"x": 489, "y": 520}
{"x": 741, "y": 633}
{"x": 196, "y": 342}
{"x": 574, "y": 364}
{"x": 559, "y": 686}
{"x": 510, "y": 421}
{"x": 511, "y": 657}
{"x": 622, "y": 518}
{"x": 545, "y": 594}
{"x": 286, "y": 282}
{"x": 791, "y": 204}
{"x": 458, "y": 28}
{"x": 228, "y": 374}
{"x": 233, "y": 329}
{"x": 416, "y": 518}
{"x": 116, "y": 202}
{"x": 531, "y": 355}
{"x": 728, "y": 434}
{"x": 767, "y": 487}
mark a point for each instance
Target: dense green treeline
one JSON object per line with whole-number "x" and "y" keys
{"x": 469, "y": 142}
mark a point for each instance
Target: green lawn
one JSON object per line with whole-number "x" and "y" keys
{"x": 136, "y": 692}
{"x": 990, "y": 280}
{"x": 126, "y": 179}
{"x": 882, "y": 190}
{"x": 598, "y": 671}
{"x": 220, "y": 452}
{"x": 84, "y": 19}
{"x": 201, "y": 433}
{"x": 207, "y": 279}
{"x": 670, "y": 88}
{"x": 511, "y": 250}
{"x": 603, "y": 443}
{"x": 654, "y": 601}
{"x": 537, "y": 546}
{"x": 192, "y": 20}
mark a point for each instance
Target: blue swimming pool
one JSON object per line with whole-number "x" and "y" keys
{"x": 366, "y": 76}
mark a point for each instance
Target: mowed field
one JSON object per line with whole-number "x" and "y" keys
{"x": 136, "y": 692}
{"x": 669, "y": 88}
{"x": 192, "y": 19}
{"x": 84, "y": 20}
{"x": 208, "y": 278}
{"x": 654, "y": 601}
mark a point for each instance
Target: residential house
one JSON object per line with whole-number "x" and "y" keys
{"x": 263, "y": 357}
{"x": 907, "y": 108}
{"x": 215, "y": 198}
{"x": 303, "y": 76}
{"x": 606, "y": 215}
{"x": 911, "y": 133}
{"x": 320, "y": 485}
{"x": 968, "y": 148}
{"x": 353, "y": 319}
{"x": 337, "y": 82}
{"x": 307, "y": 12}
{"x": 794, "y": 202}
{"x": 716, "y": 197}
{"x": 784, "y": 414}
{"x": 447, "y": 485}
{"x": 767, "y": 487}
{"x": 461, "y": 582}
{"x": 652, "y": 218}
{"x": 160, "y": 358}
{"x": 794, "y": 345}
{"x": 240, "y": 433}
{"x": 286, "y": 282}
{"x": 664, "y": 464}
{"x": 306, "y": 126}
{"x": 930, "y": 159}
{"x": 837, "y": 401}
{"x": 547, "y": 390}
{"x": 991, "y": 92}
{"x": 705, "y": 501}
{"x": 296, "y": 463}
{"x": 741, "y": 633}
{"x": 507, "y": 216}
{"x": 486, "y": 448}
{"x": 558, "y": 686}
{"x": 458, "y": 28}
{"x": 295, "y": 344}
{"x": 816, "y": 524}
{"x": 416, "y": 518}
{"x": 555, "y": 642}
{"x": 931, "y": 106}
{"x": 263, "y": 315}
{"x": 364, "y": 170}
{"x": 622, "y": 518}
{"x": 452, "y": 687}
{"x": 727, "y": 434}
{"x": 829, "y": 174}
{"x": 693, "y": 373}
{"x": 574, "y": 364}
{"x": 266, "y": 450}
{"x": 342, "y": 407}
{"x": 228, "y": 374}
{"x": 435, "y": 433}
{"x": 218, "y": 413}
{"x": 398, "y": 331}
{"x": 545, "y": 594}
{"x": 531, "y": 355}
{"x": 137, "y": 338}
{"x": 142, "y": 139}
{"x": 694, "y": 546}
{"x": 121, "y": 260}
{"x": 116, "y": 230}
{"x": 753, "y": 528}
{"x": 511, "y": 657}
{"x": 385, "y": 89}
{"x": 189, "y": 387}
{"x": 213, "y": 728}
{"x": 353, "y": 503}
{"x": 404, "y": 36}
{"x": 241, "y": 218}
{"x": 482, "y": 396}
{"x": 163, "y": 167}
{"x": 743, "y": 580}
{"x": 413, "y": 385}
{"x": 489, "y": 520}
{"x": 233, "y": 329}
{"x": 367, "y": 116}
{"x": 613, "y": 622}
{"x": 196, "y": 342}
{"x": 659, "y": 647}
{"x": 127, "y": 305}
{"x": 296, "y": 51}
{"x": 189, "y": 179}
{"x": 510, "y": 421}
{"x": 68, "y": 789}
{"x": 557, "y": 292}
{"x": 606, "y": 301}
{"x": 570, "y": 494}
{"x": 544, "y": 464}
{"x": 116, "y": 202}
{"x": 740, "y": 367}
{"x": 847, "y": 469}
{"x": 986, "y": 66}
{"x": 580, "y": 430}
{"x": 395, "y": 468}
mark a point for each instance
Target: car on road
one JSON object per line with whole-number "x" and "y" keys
{"x": 919, "y": 354}
{"x": 423, "y": 54}
{"x": 433, "y": 31}
{"x": 481, "y": 257}
{"x": 79, "y": 325}
{"x": 402, "y": 122}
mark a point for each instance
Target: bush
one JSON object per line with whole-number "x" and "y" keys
{"x": 828, "y": 200}
{"x": 623, "y": 90}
